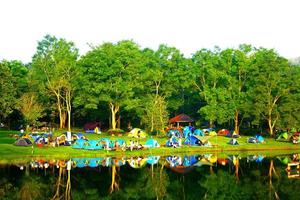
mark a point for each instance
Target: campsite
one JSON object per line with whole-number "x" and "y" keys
{"x": 149, "y": 100}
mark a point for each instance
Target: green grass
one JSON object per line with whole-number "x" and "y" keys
{"x": 10, "y": 152}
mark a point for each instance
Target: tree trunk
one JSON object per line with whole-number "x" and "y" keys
{"x": 114, "y": 110}
{"x": 69, "y": 108}
{"x": 236, "y": 122}
{"x": 270, "y": 126}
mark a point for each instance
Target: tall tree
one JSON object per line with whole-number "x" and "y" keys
{"x": 54, "y": 65}
{"x": 109, "y": 74}
{"x": 269, "y": 84}
{"x": 7, "y": 90}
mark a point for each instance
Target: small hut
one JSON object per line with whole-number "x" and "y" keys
{"x": 182, "y": 118}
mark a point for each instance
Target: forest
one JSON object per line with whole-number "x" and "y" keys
{"x": 122, "y": 84}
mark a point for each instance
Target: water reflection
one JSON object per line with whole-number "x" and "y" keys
{"x": 206, "y": 176}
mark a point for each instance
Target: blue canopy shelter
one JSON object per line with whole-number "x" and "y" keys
{"x": 151, "y": 143}
{"x": 79, "y": 144}
{"x": 152, "y": 160}
{"x": 192, "y": 140}
{"x": 92, "y": 145}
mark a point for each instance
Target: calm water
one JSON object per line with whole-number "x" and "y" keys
{"x": 154, "y": 177}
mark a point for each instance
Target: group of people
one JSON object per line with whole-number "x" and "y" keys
{"x": 135, "y": 145}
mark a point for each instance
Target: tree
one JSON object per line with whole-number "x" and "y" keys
{"x": 269, "y": 84}
{"x": 54, "y": 65}
{"x": 209, "y": 79}
{"x": 109, "y": 74}
{"x": 30, "y": 107}
{"x": 7, "y": 90}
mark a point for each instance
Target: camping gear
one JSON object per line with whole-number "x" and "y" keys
{"x": 284, "y": 136}
{"x": 187, "y": 131}
{"x": 79, "y": 162}
{"x": 198, "y": 132}
{"x": 106, "y": 143}
{"x": 192, "y": 140}
{"x": 40, "y": 140}
{"x": 137, "y": 162}
{"x": 252, "y": 140}
{"x": 151, "y": 143}
{"x": 259, "y": 138}
{"x": 93, "y": 162}
{"x": 137, "y": 133}
{"x": 23, "y": 142}
{"x": 79, "y": 144}
{"x": 90, "y": 127}
{"x": 92, "y": 145}
{"x": 173, "y": 132}
{"x": 223, "y": 132}
{"x": 152, "y": 160}
{"x": 189, "y": 160}
{"x": 172, "y": 142}
{"x": 233, "y": 141}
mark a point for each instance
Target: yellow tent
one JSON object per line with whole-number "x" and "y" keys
{"x": 137, "y": 133}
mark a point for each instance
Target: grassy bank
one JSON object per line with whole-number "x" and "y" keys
{"x": 10, "y": 152}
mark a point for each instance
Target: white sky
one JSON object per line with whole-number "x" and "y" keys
{"x": 189, "y": 25}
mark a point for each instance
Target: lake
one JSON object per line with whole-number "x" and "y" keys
{"x": 154, "y": 177}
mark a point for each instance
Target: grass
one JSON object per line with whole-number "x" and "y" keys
{"x": 10, "y": 152}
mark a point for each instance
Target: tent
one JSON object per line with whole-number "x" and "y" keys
{"x": 252, "y": 140}
{"x": 79, "y": 162}
{"x": 137, "y": 133}
{"x": 187, "y": 131}
{"x": 232, "y": 135}
{"x": 91, "y": 125}
{"x": 151, "y": 143}
{"x": 152, "y": 160}
{"x": 172, "y": 142}
{"x": 193, "y": 141}
{"x": 233, "y": 142}
{"x": 93, "y": 162}
{"x": 106, "y": 143}
{"x": 92, "y": 145}
{"x": 284, "y": 136}
{"x": 40, "y": 140}
{"x": 198, "y": 132}
{"x": 182, "y": 118}
{"x": 79, "y": 144}
{"x": 223, "y": 132}
{"x": 173, "y": 132}
{"x": 137, "y": 163}
{"x": 260, "y": 138}
{"x": 189, "y": 160}
{"x": 23, "y": 142}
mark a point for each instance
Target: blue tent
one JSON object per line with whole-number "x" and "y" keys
{"x": 260, "y": 139}
{"x": 198, "y": 132}
{"x": 193, "y": 141}
{"x": 92, "y": 145}
{"x": 151, "y": 143}
{"x": 105, "y": 141}
{"x": 190, "y": 160}
{"x": 40, "y": 140}
{"x": 173, "y": 141}
{"x": 233, "y": 142}
{"x": 93, "y": 162}
{"x": 152, "y": 160}
{"x": 79, "y": 162}
{"x": 252, "y": 140}
{"x": 120, "y": 141}
{"x": 79, "y": 144}
{"x": 173, "y": 132}
{"x": 186, "y": 131}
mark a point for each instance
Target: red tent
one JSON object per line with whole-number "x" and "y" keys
{"x": 181, "y": 118}
{"x": 91, "y": 125}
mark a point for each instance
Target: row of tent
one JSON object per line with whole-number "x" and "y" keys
{"x": 190, "y": 130}
{"x": 106, "y": 143}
